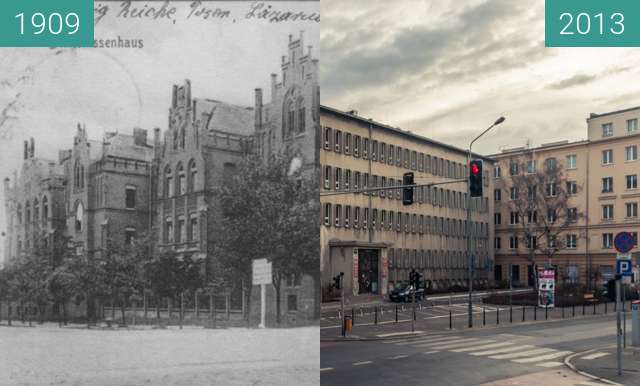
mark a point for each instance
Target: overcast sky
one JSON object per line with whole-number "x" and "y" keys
{"x": 44, "y": 93}
{"x": 448, "y": 69}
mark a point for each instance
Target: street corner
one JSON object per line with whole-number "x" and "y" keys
{"x": 601, "y": 365}
{"x": 562, "y": 377}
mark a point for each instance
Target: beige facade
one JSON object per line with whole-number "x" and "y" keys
{"x": 372, "y": 237}
{"x": 605, "y": 170}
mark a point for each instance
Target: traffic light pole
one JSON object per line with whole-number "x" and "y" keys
{"x": 344, "y": 330}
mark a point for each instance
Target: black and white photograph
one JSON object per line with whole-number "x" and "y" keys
{"x": 161, "y": 199}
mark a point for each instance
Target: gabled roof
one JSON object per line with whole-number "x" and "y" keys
{"x": 225, "y": 117}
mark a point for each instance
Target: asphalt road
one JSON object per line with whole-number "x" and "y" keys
{"x": 470, "y": 357}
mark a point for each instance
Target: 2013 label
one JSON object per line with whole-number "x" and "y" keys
{"x": 582, "y": 24}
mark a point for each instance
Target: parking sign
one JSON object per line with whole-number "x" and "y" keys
{"x": 624, "y": 268}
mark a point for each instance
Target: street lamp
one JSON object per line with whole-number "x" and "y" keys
{"x": 469, "y": 254}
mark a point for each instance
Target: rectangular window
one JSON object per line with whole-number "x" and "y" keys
{"x": 572, "y": 241}
{"x": 632, "y": 209}
{"x": 552, "y": 215}
{"x": 607, "y": 240}
{"x": 551, "y": 190}
{"x": 531, "y": 192}
{"x": 356, "y": 146}
{"x": 514, "y": 218}
{"x": 607, "y": 129}
{"x": 365, "y": 148}
{"x": 130, "y": 197}
{"x": 513, "y": 242}
{"x": 572, "y": 187}
{"x": 347, "y": 179}
{"x": 607, "y": 185}
{"x": 356, "y": 217}
{"x": 607, "y": 157}
{"x": 513, "y": 193}
{"x": 180, "y": 230}
{"x": 572, "y": 161}
{"x": 513, "y": 168}
{"x": 497, "y": 218}
{"x": 365, "y": 218}
{"x": 357, "y": 181}
{"x": 168, "y": 231}
{"x": 327, "y": 138}
{"x": 414, "y": 160}
{"x": 632, "y": 181}
{"x": 531, "y": 166}
{"x": 497, "y": 172}
{"x": 338, "y": 178}
{"x": 572, "y": 214}
{"x": 405, "y": 158}
{"x": 338, "y": 216}
{"x": 347, "y": 143}
{"x": 327, "y": 214}
{"x": 374, "y": 150}
{"x": 292, "y": 303}
{"x": 496, "y": 243}
{"x": 129, "y": 235}
{"x": 607, "y": 212}
{"x": 347, "y": 216}
{"x": 194, "y": 229}
{"x": 632, "y": 126}
{"x": 532, "y": 216}
{"x": 421, "y": 162}
{"x": 497, "y": 195}
{"x": 390, "y": 156}
{"x": 383, "y": 151}
{"x": 532, "y": 242}
{"x": 327, "y": 177}
{"x": 632, "y": 153}
{"x": 338, "y": 141}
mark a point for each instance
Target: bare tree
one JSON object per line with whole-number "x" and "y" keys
{"x": 539, "y": 202}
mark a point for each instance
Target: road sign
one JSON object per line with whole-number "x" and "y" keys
{"x": 262, "y": 272}
{"x": 624, "y": 242}
{"x": 624, "y": 268}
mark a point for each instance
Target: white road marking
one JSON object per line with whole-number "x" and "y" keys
{"x": 398, "y": 357}
{"x": 448, "y": 342}
{"x": 399, "y": 334}
{"x": 543, "y": 357}
{"x": 549, "y": 364}
{"x": 522, "y": 353}
{"x": 326, "y": 369}
{"x": 430, "y": 340}
{"x": 483, "y": 347}
{"x": 593, "y": 356}
{"x": 362, "y": 363}
{"x": 502, "y": 350}
{"x": 430, "y": 352}
{"x": 457, "y": 345}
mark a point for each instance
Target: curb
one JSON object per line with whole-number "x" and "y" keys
{"x": 572, "y": 367}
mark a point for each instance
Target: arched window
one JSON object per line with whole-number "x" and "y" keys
{"x": 301, "y": 115}
{"x": 168, "y": 182}
{"x": 76, "y": 174}
{"x": 193, "y": 174}
{"x": 27, "y": 212}
{"x": 291, "y": 117}
{"x": 19, "y": 212}
{"x": 180, "y": 180}
{"x": 45, "y": 208}
{"x": 36, "y": 210}
{"x": 79, "y": 216}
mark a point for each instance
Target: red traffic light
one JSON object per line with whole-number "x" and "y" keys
{"x": 474, "y": 168}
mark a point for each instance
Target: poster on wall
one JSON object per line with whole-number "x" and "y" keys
{"x": 546, "y": 287}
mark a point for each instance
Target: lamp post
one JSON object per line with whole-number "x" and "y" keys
{"x": 470, "y": 255}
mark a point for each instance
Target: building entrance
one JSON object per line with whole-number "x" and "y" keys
{"x": 368, "y": 271}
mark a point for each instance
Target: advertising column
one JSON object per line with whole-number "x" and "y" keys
{"x": 355, "y": 272}
{"x": 546, "y": 287}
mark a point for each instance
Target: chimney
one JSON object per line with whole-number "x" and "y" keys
{"x": 32, "y": 147}
{"x": 258, "y": 109}
{"x": 139, "y": 136}
{"x": 274, "y": 82}
{"x": 187, "y": 92}
{"x": 26, "y": 149}
{"x": 174, "y": 96}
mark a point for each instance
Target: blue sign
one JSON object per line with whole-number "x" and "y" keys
{"x": 624, "y": 268}
{"x": 624, "y": 242}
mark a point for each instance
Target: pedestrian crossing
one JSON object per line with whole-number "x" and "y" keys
{"x": 498, "y": 349}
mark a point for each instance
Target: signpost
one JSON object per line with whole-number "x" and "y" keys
{"x": 624, "y": 243}
{"x": 262, "y": 276}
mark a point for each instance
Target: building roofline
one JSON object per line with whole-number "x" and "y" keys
{"x": 396, "y": 130}
{"x": 550, "y": 146}
{"x": 595, "y": 115}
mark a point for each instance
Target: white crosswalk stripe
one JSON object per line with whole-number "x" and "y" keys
{"x": 595, "y": 355}
{"x": 458, "y": 345}
{"x": 483, "y": 347}
{"x": 448, "y": 342}
{"x": 502, "y": 350}
{"x": 549, "y": 364}
{"x": 430, "y": 339}
{"x": 545, "y": 357}
{"x": 522, "y": 353}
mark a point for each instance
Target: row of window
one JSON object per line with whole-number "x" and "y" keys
{"x": 531, "y": 216}
{"x": 360, "y": 218}
{"x": 439, "y": 259}
{"x": 362, "y": 147}
{"x": 181, "y": 231}
{"x": 339, "y": 179}
{"x": 631, "y": 183}
{"x": 550, "y": 190}
{"x": 180, "y": 182}
{"x": 37, "y": 212}
{"x": 631, "y": 154}
{"x": 632, "y": 128}
{"x": 631, "y": 211}
{"x": 571, "y": 241}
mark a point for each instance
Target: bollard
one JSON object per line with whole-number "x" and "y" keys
{"x": 510, "y": 314}
{"x": 450, "y": 321}
{"x": 484, "y": 317}
{"x": 375, "y": 315}
{"x": 396, "y": 314}
{"x": 573, "y": 311}
{"x": 635, "y": 323}
{"x": 546, "y": 313}
{"x": 535, "y": 313}
{"x": 523, "y": 308}
{"x": 414, "y": 314}
{"x": 498, "y": 315}
{"x": 353, "y": 317}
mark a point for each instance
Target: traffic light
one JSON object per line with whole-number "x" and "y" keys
{"x": 407, "y": 192}
{"x": 475, "y": 178}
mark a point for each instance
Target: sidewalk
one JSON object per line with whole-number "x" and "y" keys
{"x": 370, "y": 300}
{"x": 603, "y": 364}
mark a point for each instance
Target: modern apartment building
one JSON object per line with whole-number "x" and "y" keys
{"x": 372, "y": 237}
{"x": 601, "y": 176}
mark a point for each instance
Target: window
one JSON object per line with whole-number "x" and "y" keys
{"x": 356, "y": 216}
{"x": 497, "y": 172}
{"x": 168, "y": 182}
{"x": 572, "y": 241}
{"x": 347, "y": 216}
{"x": 193, "y": 232}
{"x": 193, "y": 175}
{"x": 551, "y": 190}
{"x": 572, "y": 187}
{"x": 347, "y": 143}
{"x": 514, "y": 218}
{"x": 632, "y": 153}
{"x": 632, "y": 181}
{"x": 551, "y": 241}
{"x": 572, "y": 214}
{"x": 572, "y": 161}
{"x": 292, "y": 303}
{"x": 632, "y": 126}
{"x": 181, "y": 185}
{"x": 129, "y": 235}
{"x": 383, "y": 150}
{"x": 327, "y": 177}
{"x": 327, "y": 214}
{"x": 168, "y": 231}
{"x": 130, "y": 197}
{"x": 180, "y": 230}
{"x": 338, "y": 215}
{"x": 327, "y": 138}
{"x": 607, "y": 129}
{"x": 513, "y": 193}
{"x": 607, "y": 157}
{"x": 405, "y": 158}
{"x": 532, "y": 242}
{"x": 374, "y": 150}
{"x": 338, "y": 178}
{"x": 45, "y": 208}
{"x": 552, "y": 216}
{"x": 356, "y": 146}
{"x": 607, "y": 212}
{"x": 513, "y": 242}
{"x": 607, "y": 240}
{"x": 357, "y": 181}
{"x": 79, "y": 216}
{"x": 365, "y": 218}
{"x": 607, "y": 185}
{"x": 347, "y": 179}
{"x": 513, "y": 168}
{"x": 531, "y": 166}
{"x": 632, "y": 209}
{"x": 497, "y": 218}
{"x": 390, "y": 156}
{"x": 36, "y": 210}
{"x": 365, "y": 148}
{"x": 337, "y": 143}
{"x": 497, "y": 195}
{"x": 532, "y": 216}
{"x": 496, "y": 243}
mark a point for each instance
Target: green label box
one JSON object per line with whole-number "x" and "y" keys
{"x": 592, "y": 23}
{"x": 46, "y": 23}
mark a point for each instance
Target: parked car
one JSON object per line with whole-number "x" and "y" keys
{"x": 403, "y": 293}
